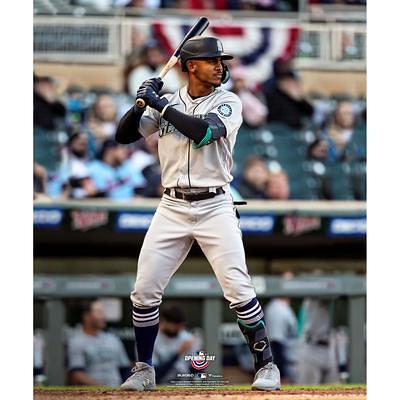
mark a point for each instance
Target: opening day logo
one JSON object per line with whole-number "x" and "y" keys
{"x": 200, "y": 360}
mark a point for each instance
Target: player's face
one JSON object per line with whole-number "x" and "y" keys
{"x": 209, "y": 70}
{"x": 98, "y": 317}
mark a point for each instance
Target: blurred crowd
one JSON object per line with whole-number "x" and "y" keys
{"x": 76, "y": 155}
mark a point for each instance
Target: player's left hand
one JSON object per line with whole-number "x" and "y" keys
{"x": 151, "y": 98}
{"x": 155, "y": 83}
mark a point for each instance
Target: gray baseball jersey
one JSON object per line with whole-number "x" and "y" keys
{"x": 211, "y": 222}
{"x": 165, "y": 347}
{"x": 181, "y": 164}
{"x": 100, "y": 356}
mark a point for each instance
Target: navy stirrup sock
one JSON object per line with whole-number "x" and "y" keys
{"x": 145, "y": 324}
{"x": 251, "y": 323}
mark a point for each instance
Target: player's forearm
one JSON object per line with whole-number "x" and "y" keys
{"x": 128, "y": 127}
{"x": 192, "y": 127}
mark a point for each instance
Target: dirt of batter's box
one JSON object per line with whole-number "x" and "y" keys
{"x": 298, "y": 394}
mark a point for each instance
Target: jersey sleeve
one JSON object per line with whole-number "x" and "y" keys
{"x": 150, "y": 121}
{"x": 229, "y": 110}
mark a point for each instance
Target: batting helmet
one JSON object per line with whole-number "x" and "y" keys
{"x": 202, "y": 47}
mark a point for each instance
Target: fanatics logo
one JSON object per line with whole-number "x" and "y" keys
{"x": 225, "y": 110}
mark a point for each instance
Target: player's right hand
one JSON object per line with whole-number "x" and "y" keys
{"x": 155, "y": 83}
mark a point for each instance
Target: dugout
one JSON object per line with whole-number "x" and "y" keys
{"x": 53, "y": 291}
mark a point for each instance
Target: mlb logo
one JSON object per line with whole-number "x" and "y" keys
{"x": 202, "y": 375}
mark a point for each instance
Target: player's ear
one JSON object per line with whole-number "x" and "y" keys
{"x": 191, "y": 66}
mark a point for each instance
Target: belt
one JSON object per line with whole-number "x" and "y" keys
{"x": 193, "y": 196}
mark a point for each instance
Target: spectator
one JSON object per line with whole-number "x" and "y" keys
{"x": 38, "y": 358}
{"x": 252, "y": 184}
{"x": 277, "y": 187}
{"x": 340, "y": 132}
{"x": 133, "y": 59}
{"x": 286, "y": 101}
{"x": 39, "y": 182}
{"x": 318, "y": 150}
{"x": 153, "y": 60}
{"x": 76, "y": 108}
{"x": 254, "y": 110}
{"x": 282, "y": 325}
{"x": 173, "y": 342}
{"x": 114, "y": 176}
{"x": 96, "y": 357}
{"x": 317, "y": 348}
{"x": 145, "y": 159}
{"x": 73, "y": 179}
{"x": 48, "y": 111}
{"x": 39, "y": 178}
{"x": 103, "y": 119}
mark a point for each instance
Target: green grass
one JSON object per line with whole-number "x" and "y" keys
{"x": 227, "y": 387}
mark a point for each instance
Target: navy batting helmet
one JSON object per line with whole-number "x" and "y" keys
{"x": 202, "y": 47}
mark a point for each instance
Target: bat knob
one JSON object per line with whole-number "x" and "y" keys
{"x": 140, "y": 103}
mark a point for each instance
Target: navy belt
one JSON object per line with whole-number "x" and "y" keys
{"x": 193, "y": 196}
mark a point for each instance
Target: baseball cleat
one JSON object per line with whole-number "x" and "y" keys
{"x": 143, "y": 378}
{"x": 267, "y": 378}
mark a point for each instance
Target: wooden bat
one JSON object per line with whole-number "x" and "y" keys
{"x": 197, "y": 29}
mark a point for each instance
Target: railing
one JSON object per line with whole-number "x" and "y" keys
{"x": 107, "y": 40}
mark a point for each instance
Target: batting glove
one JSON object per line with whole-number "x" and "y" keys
{"x": 155, "y": 83}
{"x": 151, "y": 98}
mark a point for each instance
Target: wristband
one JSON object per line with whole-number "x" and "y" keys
{"x": 163, "y": 110}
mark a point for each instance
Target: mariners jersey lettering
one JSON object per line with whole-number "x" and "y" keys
{"x": 181, "y": 164}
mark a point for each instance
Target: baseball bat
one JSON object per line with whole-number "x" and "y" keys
{"x": 197, "y": 29}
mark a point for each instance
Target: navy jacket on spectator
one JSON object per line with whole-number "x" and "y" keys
{"x": 45, "y": 114}
{"x": 285, "y": 109}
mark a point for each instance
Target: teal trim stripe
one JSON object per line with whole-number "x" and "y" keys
{"x": 207, "y": 137}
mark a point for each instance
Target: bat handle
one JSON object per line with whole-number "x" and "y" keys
{"x": 140, "y": 103}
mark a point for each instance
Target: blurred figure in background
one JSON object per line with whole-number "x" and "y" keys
{"x": 103, "y": 119}
{"x": 38, "y": 358}
{"x": 340, "y": 131}
{"x": 277, "y": 187}
{"x": 145, "y": 159}
{"x": 254, "y": 110}
{"x": 76, "y": 108}
{"x": 73, "y": 179}
{"x": 317, "y": 350}
{"x": 96, "y": 357}
{"x": 173, "y": 342}
{"x": 48, "y": 111}
{"x": 113, "y": 175}
{"x": 252, "y": 183}
{"x": 282, "y": 326}
{"x": 318, "y": 150}
{"x": 286, "y": 100}
{"x": 153, "y": 60}
{"x": 39, "y": 182}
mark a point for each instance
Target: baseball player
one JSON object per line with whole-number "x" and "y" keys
{"x": 197, "y": 128}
